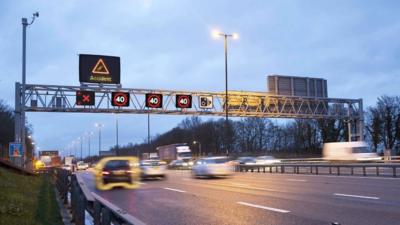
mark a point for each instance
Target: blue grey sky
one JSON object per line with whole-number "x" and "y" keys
{"x": 355, "y": 45}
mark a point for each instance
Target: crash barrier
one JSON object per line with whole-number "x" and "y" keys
{"x": 384, "y": 159}
{"x": 82, "y": 200}
{"x": 364, "y": 169}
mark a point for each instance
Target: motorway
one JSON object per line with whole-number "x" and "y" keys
{"x": 252, "y": 198}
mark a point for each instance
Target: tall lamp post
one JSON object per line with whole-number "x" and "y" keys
{"x": 99, "y": 126}
{"x": 21, "y": 119}
{"x": 89, "y": 134}
{"x": 195, "y": 142}
{"x": 217, "y": 34}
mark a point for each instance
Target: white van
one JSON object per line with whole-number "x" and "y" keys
{"x": 348, "y": 151}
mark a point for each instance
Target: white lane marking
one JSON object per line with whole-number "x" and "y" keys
{"x": 264, "y": 207}
{"x": 326, "y": 176}
{"x": 177, "y": 190}
{"x": 355, "y": 196}
{"x": 240, "y": 184}
{"x": 141, "y": 183}
{"x": 248, "y": 187}
{"x": 296, "y": 180}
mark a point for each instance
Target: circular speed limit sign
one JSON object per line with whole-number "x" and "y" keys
{"x": 183, "y": 101}
{"x": 154, "y": 100}
{"x": 120, "y": 99}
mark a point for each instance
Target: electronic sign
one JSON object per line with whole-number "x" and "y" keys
{"x": 183, "y": 101}
{"x": 120, "y": 99}
{"x": 206, "y": 102}
{"x": 154, "y": 100}
{"x": 85, "y": 98}
{"x": 48, "y": 153}
{"x": 99, "y": 69}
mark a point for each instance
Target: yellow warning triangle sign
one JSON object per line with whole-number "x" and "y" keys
{"x": 100, "y": 68}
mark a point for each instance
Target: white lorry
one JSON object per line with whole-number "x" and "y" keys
{"x": 179, "y": 151}
{"x": 348, "y": 151}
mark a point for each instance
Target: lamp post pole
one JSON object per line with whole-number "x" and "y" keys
{"x": 21, "y": 118}
{"x": 226, "y": 108}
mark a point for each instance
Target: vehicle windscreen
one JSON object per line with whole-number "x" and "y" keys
{"x": 117, "y": 165}
{"x": 185, "y": 154}
{"x": 361, "y": 150}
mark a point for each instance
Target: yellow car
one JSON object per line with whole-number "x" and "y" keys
{"x": 117, "y": 172}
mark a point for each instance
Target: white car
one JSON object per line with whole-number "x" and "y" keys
{"x": 82, "y": 165}
{"x": 67, "y": 167}
{"x": 266, "y": 160}
{"x": 152, "y": 168}
{"x": 212, "y": 166}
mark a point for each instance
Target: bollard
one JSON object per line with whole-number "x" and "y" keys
{"x": 105, "y": 216}
{"x": 258, "y": 169}
{"x": 276, "y": 169}
{"x": 282, "y": 169}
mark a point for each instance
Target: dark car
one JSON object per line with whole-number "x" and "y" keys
{"x": 116, "y": 171}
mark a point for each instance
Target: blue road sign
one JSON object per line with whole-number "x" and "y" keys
{"x": 15, "y": 149}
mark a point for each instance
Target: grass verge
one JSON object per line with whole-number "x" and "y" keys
{"x": 26, "y": 200}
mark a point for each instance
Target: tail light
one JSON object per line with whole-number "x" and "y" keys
{"x": 105, "y": 173}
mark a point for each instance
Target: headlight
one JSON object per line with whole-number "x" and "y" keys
{"x": 190, "y": 163}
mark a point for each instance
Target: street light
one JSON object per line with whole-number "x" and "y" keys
{"x": 99, "y": 126}
{"x": 89, "y": 134}
{"x": 217, "y": 34}
{"x": 25, "y": 24}
{"x": 195, "y": 142}
{"x": 116, "y": 130}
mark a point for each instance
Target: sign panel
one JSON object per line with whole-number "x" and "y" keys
{"x": 99, "y": 69}
{"x": 183, "y": 101}
{"x": 15, "y": 149}
{"x": 85, "y": 98}
{"x": 206, "y": 102}
{"x": 154, "y": 100}
{"x": 48, "y": 153}
{"x": 120, "y": 99}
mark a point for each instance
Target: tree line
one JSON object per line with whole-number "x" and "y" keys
{"x": 7, "y": 135}
{"x": 294, "y": 137}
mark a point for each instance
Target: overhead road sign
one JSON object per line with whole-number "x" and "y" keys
{"x": 99, "y": 69}
{"x": 15, "y": 149}
{"x": 183, "y": 101}
{"x": 48, "y": 153}
{"x": 206, "y": 102}
{"x": 85, "y": 98}
{"x": 120, "y": 99}
{"x": 154, "y": 100}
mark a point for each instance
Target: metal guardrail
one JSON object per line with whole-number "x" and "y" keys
{"x": 317, "y": 168}
{"x": 81, "y": 200}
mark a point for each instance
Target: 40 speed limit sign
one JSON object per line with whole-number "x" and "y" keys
{"x": 154, "y": 100}
{"x": 183, "y": 101}
{"x": 120, "y": 99}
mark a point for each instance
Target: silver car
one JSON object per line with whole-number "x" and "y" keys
{"x": 212, "y": 166}
{"x": 152, "y": 168}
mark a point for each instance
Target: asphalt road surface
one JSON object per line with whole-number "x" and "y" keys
{"x": 252, "y": 198}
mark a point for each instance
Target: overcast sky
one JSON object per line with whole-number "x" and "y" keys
{"x": 166, "y": 44}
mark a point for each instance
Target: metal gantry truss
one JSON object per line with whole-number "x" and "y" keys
{"x": 56, "y": 98}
